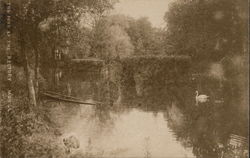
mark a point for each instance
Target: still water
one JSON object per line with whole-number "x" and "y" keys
{"x": 161, "y": 120}
{"x": 133, "y": 133}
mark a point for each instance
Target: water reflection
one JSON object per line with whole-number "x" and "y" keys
{"x": 134, "y": 133}
{"x": 152, "y": 120}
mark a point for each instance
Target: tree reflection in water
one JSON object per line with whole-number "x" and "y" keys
{"x": 205, "y": 128}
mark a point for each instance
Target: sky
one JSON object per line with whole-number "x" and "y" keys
{"x": 153, "y": 9}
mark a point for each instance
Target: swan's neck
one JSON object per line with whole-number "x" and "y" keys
{"x": 197, "y": 94}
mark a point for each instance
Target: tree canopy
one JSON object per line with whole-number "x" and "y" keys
{"x": 206, "y": 29}
{"x": 138, "y": 36}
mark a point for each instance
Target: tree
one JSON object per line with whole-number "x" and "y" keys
{"x": 145, "y": 39}
{"x": 206, "y": 29}
{"x": 110, "y": 40}
{"x": 120, "y": 45}
{"x": 39, "y": 27}
{"x": 141, "y": 33}
{"x": 56, "y": 21}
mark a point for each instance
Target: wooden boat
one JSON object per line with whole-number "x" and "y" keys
{"x": 65, "y": 98}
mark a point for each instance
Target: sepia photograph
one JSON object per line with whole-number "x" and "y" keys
{"x": 124, "y": 78}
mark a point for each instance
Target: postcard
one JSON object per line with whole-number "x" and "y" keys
{"x": 124, "y": 79}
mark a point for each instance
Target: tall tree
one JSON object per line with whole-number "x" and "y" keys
{"x": 145, "y": 39}
{"x": 206, "y": 29}
{"x": 141, "y": 33}
{"x": 60, "y": 17}
{"x": 110, "y": 39}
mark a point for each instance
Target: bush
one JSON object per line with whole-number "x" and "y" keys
{"x": 24, "y": 131}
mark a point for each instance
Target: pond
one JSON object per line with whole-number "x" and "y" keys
{"x": 161, "y": 120}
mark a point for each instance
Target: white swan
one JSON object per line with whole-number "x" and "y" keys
{"x": 201, "y": 98}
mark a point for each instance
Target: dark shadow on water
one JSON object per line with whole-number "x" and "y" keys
{"x": 206, "y": 127}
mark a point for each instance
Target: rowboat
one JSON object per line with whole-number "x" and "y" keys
{"x": 66, "y": 98}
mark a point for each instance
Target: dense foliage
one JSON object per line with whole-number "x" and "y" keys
{"x": 201, "y": 31}
{"x": 126, "y": 36}
{"x": 207, "y": 29}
